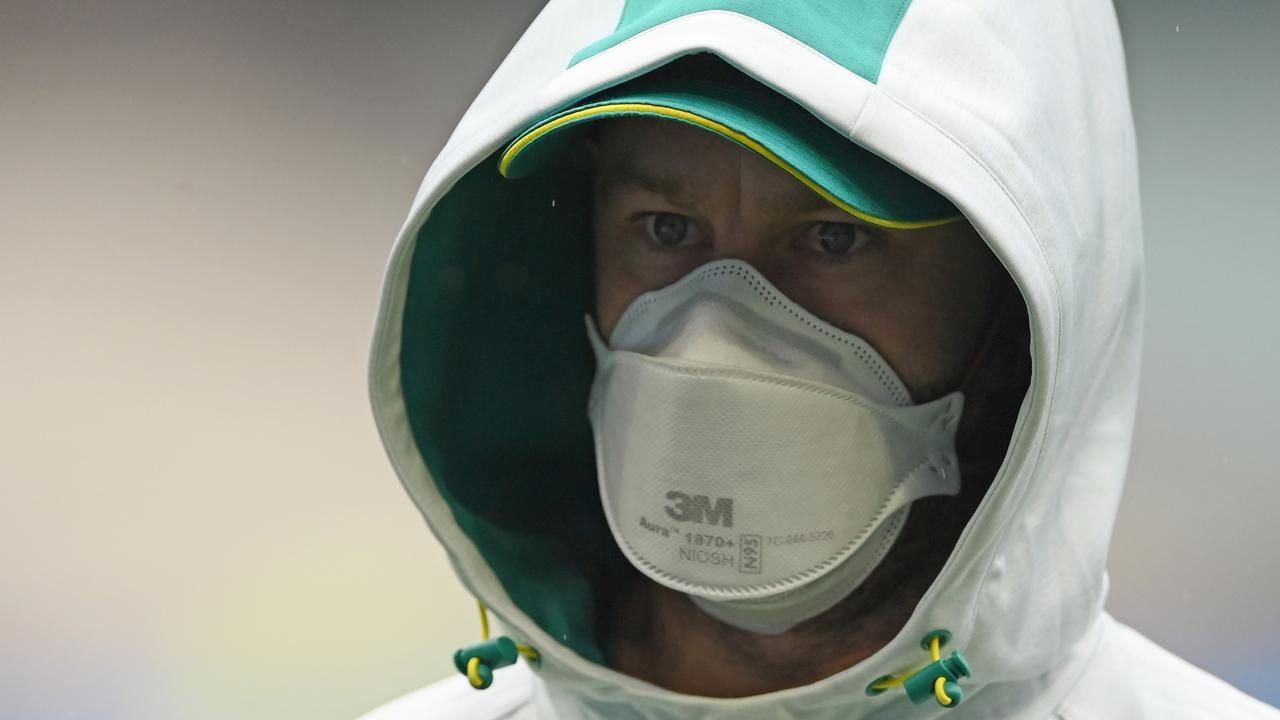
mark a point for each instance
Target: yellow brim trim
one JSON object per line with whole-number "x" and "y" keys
{"x": 722, "y": 129}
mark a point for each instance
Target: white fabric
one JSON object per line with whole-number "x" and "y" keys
{"x": 752, "y": 455}
{"x": 1018, "y": 112}
{"x": 1125, "y": 677}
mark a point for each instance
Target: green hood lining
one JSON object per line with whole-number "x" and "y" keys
{"x": 496, "y": 370}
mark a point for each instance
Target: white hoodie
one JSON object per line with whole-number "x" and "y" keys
{"x": 1015, "y": 110}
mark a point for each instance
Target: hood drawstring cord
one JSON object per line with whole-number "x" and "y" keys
{"x": 478, "y": 661}
{"x": 940, "y": 678}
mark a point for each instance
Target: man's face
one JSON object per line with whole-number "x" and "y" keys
{"x": 670, "y": 197}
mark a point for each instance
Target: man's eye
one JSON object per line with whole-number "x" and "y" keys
{"x": 839, "y": 238}
{"x": 667, "y": 229}
{"x": 836, "y": 241}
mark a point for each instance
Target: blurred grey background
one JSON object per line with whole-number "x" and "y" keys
{"x": 196, "y": 202}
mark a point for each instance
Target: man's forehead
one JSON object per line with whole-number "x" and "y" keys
{"x": 676, "y": 161}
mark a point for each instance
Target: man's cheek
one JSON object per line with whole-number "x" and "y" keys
{"x": 615, "y": 290}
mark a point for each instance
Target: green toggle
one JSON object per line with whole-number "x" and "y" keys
{"x": 919, "y": 686}
{"x": 496, "y": 653}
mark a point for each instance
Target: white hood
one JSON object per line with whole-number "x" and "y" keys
{"x": 1018, "y": 112}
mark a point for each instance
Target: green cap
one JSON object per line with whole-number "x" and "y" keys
{"x": 705, "y": 92}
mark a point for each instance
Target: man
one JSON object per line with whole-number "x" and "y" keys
{"x": 845, "y": 428}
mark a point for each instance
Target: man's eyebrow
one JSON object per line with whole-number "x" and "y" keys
{"x": 799, "y": 203}
{"x": 626, "y": 172}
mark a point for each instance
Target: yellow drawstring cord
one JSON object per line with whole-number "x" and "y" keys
{"x": 526, "y": 651}
{"x": 952, "y": 668}
{"x": 473, "y": 665}
{"x": 891, "y": 682}
{"x": 501, "y": 652}
{"x": 935, "y": 654}
{"x": 943, "y": 698}
{"x": 479, "y": 661}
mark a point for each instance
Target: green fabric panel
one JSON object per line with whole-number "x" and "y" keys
{"x": 496, "y": 369}
{"x": 854, "y": 33}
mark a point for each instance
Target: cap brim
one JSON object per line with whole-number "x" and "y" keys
{"x": 755, "y": 117}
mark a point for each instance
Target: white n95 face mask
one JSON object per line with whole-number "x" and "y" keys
{"x": 753, "y": 456}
